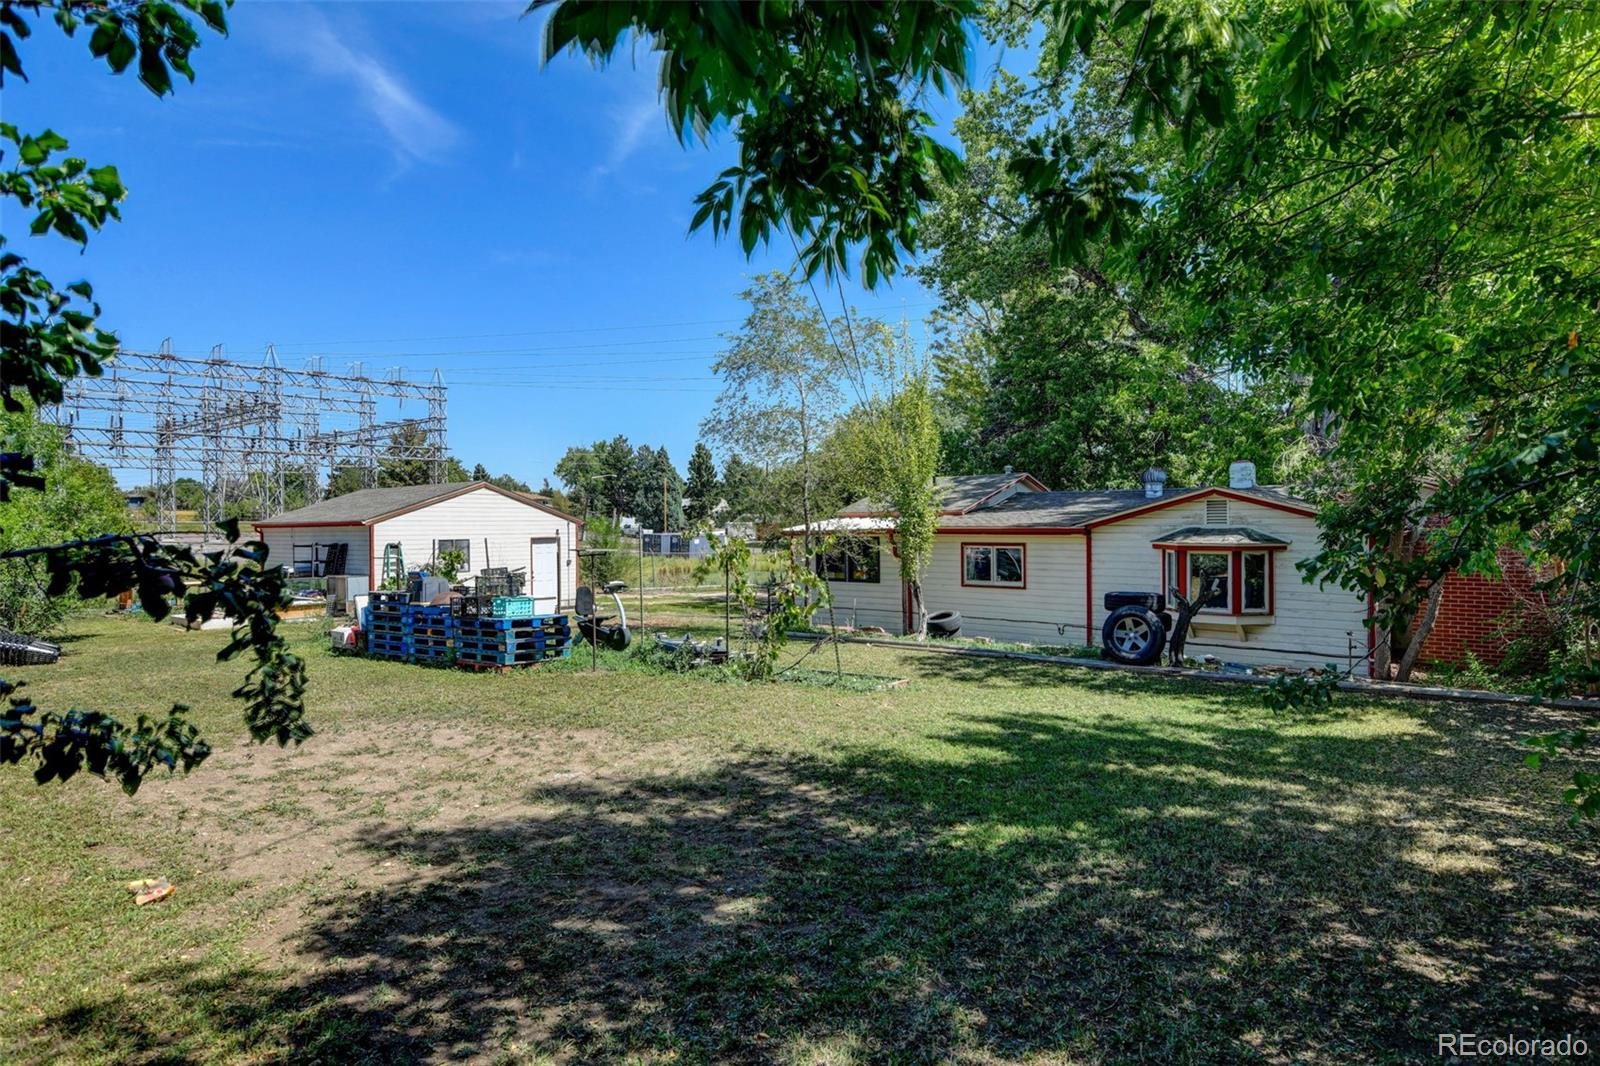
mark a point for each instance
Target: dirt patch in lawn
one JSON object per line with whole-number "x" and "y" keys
{"x": 291, "y": 829}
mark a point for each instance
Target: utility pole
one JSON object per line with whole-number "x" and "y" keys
{"x": 663, "y": 503}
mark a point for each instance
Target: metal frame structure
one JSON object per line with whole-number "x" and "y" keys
{"x": 239, "y": 426}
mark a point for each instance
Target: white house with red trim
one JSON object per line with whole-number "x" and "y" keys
{"x": 489, "y": 525}
{"x": 1022, "y": 563}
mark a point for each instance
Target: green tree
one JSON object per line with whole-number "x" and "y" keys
{"x": 781, "y": 386}
{"x": 703, "y": 490}
{"x": 480, "y": 472}
{"x": 1055, "y": 369}
{"x": 892, "y": 444}
{"x": 655, "y": 487}
{"x": 79, "y": 499}
{"x": 49, "y": 335}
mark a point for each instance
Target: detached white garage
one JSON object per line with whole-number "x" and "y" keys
{"x": 490, "y": 526}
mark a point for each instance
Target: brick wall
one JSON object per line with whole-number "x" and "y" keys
{"x": 1471, "y": 612}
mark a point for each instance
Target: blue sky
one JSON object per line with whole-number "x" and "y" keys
{"x": 401, "y": 184}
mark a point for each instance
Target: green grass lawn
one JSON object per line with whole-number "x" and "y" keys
{"x": 998, "y": 862}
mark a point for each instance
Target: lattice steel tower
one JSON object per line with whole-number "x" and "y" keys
{"x": 249, "y": 432}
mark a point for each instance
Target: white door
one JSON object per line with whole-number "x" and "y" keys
{"x": 544, "y": 574}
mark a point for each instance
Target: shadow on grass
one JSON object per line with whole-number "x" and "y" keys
{"x": 1100, "y": 892}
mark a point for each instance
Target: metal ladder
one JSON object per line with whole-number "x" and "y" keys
{"x": 394, "y": 567}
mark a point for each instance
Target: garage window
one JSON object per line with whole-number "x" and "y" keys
{"x": 464, "y": 546}
{"x": 994, "y": 565}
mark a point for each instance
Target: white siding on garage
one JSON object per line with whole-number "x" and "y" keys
{"x": 497, "y": 526}
{"x": 1050, "y": 610}
{"x": 867, "y": 603}
{"x": 280, "y": 541}
{"x": 1310, "y": 624}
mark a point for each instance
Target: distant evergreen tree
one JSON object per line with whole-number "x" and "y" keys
{"x": 704, "y": 488}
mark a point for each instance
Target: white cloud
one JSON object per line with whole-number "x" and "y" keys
{"x": 416, "y": 132}
{"x": 633, "y": 122}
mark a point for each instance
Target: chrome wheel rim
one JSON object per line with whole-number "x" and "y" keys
{"x": 1131, "y": 635}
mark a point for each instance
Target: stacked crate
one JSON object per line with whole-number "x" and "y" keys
{"x": 484, "y": 643}
{"x": 386, "y": 631}
{"x": 430, "y": 633}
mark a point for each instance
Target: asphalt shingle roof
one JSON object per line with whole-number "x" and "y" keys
{"x": 363, "y": 505}
{"x": 960, "y": 492}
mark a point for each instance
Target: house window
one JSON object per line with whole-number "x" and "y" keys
{"x": 464, "y": 546}
{"x": 998, "y": 565}
{"x": 857, "y": 564}
{"x": 1212, "y": 564}
{"x": 1172, "y": 585}
{"x": 1256, "y": 570}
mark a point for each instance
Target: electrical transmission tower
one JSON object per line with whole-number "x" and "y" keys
{"x": 258, "y": 437}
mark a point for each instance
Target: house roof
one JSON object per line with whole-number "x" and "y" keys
{"x": 958, "y": 493}
{"x": 365, "y": 506}
{"x": 1058, "y": 511}
{"x": 1221, "y": 537}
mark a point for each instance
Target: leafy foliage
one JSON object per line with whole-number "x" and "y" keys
{"x": 1303, "y": 692}
{"x": 78, "y": 499}
{"x": 51, "y": 335}
{"x": 790, "y": 77}
{"x": 1583, "y": 795}
{"x": 233, "y": 583}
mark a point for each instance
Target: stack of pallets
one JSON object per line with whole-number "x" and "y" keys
{"x": 430, "y": 633}
{"x": 386, "y": 632}
{"x": 486, "y": 643}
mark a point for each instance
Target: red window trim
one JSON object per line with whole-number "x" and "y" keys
{"x": 961, "y": 562}
{"x": 1235, "y": 577}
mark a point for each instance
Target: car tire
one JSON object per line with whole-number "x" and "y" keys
{"x": 1133, "y": 635}
{"x": 944, "y": 624}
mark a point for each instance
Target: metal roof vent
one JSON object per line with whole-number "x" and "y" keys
{"x": 1241, "y": 475}
{"x": 1155, "y": 483}
{"x": 1216, "y": 512}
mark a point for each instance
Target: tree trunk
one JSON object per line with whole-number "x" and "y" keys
{"x": 1382, "y": 651}
{"x": 919, "y": 617}
{"x": 1424, "y": 627}
{"x": 805, "y": 473}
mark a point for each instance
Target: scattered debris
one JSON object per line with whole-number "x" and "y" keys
{"x": 150, "y": 890}
{"x": 16, "y": 649}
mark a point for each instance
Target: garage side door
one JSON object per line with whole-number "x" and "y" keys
{"x": 544, "y": 574}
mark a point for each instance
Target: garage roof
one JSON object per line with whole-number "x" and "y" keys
{"x": 365, "y": 506}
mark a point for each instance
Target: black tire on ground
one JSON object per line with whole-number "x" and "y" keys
{"x": 1134, "y": 635}
{"x": 945, "y": 623}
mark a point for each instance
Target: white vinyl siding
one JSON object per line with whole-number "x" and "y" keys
{"x": 1050, "y": 610}
{"x": 870, "y": 603}
{"x": 1309, "y": 624}
{"x": 500, "y": 529}
{"x": 281, "y": 541}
